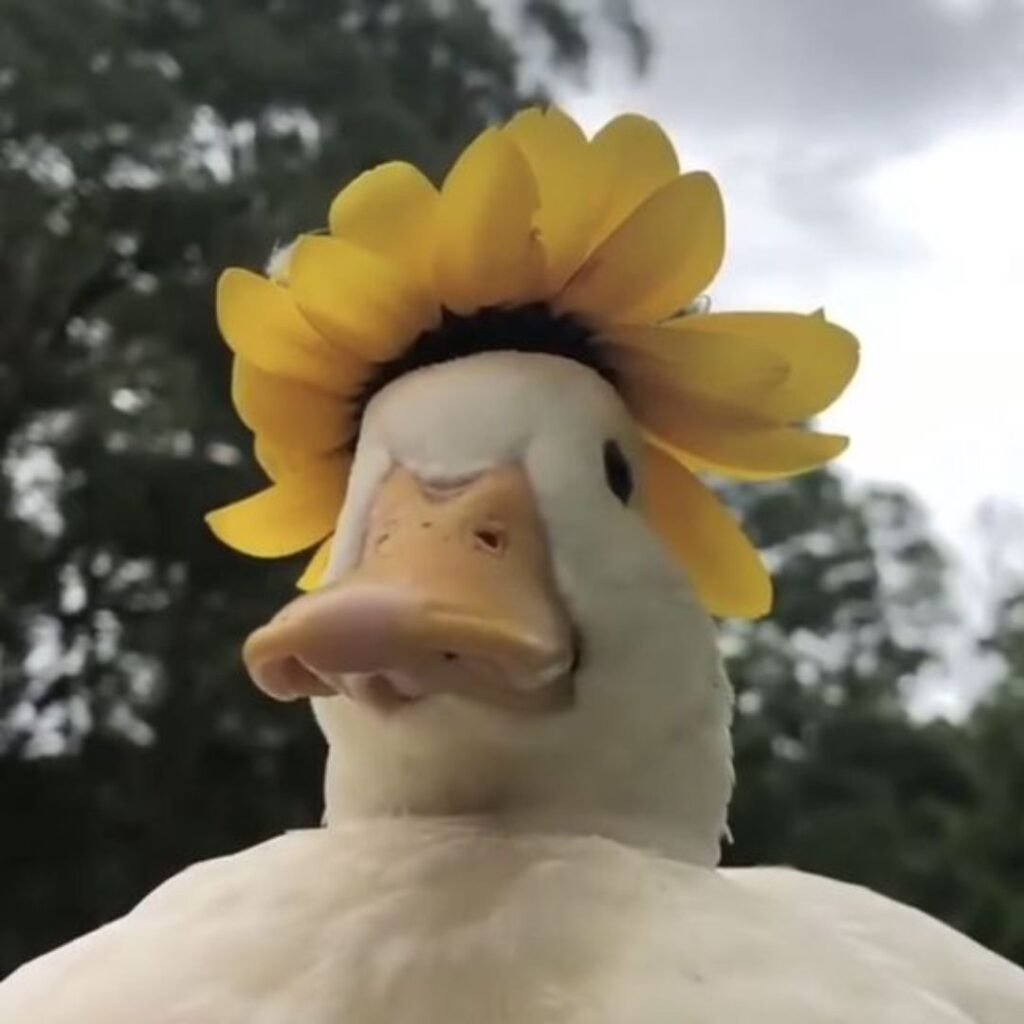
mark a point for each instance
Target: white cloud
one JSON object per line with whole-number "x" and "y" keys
{"x": 871, "y": 157}
{"x": 944, "y": 342}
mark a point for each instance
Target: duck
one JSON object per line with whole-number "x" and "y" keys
{"x": 507, "y": 634}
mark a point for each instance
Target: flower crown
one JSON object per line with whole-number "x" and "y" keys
{"x": 538, "y": 238}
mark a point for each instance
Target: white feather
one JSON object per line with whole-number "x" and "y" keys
{"x": 426, "y": 921}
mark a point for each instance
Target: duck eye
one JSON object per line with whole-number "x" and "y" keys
{"x": 617, "y": 471}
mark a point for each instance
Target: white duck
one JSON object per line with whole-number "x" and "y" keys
{"x": 518, "y": 833}
{"x": 527, "y": 721}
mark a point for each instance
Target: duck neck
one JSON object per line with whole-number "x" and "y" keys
{"x": 658, "y": 779}
{"x": 662, "y": 784}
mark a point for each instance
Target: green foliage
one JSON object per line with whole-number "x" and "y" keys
{"x": 834, "y": 773}
{"x": 991, "y": 851}
{"x": 145, "y": 145}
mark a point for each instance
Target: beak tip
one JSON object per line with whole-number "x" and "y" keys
{"x": 275, "y": 671}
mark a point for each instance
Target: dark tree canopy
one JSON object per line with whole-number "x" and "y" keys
{"x": 149, "y": 143}
{"x": 145, "y": 145}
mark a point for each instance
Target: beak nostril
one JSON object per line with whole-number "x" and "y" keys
{"x": 449, "y": 656}
{"x": 490, "y": 538}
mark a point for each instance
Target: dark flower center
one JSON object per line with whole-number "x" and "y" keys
{"x": 534, "y": 327}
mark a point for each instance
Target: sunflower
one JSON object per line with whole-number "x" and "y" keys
{"x": 604, "y": 234}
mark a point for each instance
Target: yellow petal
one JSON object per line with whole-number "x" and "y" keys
{"x": 260, "y": 322}
{"x": 289, "y": 414}
{"x": 759, "y": 454}
{"x": 725, "y": 569}
{"x": 661, "y": 258}
{"x": 559, "y": 157}
{"x": 313, "y": 574}
{"x": 631, "y": 158}
{"x": 278, "y": 460}
{"x": 487, "y": 250}
{"x": 289, "y": 516}
{"x": 358, "y": 299}
{"x": 733, "y": 371}
{"x": 716, "y": 439}
{"x": 391, "y": 210}
{"x": 822, "y": 357}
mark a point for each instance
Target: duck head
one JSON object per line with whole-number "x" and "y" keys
{"x": 499, "y": 631}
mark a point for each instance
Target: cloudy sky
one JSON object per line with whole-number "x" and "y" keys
{"x": 871, "y": 154}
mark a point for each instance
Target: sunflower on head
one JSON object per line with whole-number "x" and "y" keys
{"x": 543, "y": 240}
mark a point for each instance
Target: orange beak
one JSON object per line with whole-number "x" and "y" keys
{"x": 454, "y": 593}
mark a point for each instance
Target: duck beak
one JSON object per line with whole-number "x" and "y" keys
{"x": 454, "y": 593}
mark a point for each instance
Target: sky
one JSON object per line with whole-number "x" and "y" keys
{"x": 871, "y": 155}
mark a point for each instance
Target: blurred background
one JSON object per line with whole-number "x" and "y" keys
{"x": 870, "y": 155}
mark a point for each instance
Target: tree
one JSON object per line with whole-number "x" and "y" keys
{"x": 834, "y": 774}
{"x": 148, "y": 144}
{"x": 990, "y": 851}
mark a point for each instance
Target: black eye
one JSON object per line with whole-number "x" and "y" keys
{"x": 617, "y": 471}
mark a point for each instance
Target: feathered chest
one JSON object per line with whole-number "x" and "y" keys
{"x": 420, "y": 922}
